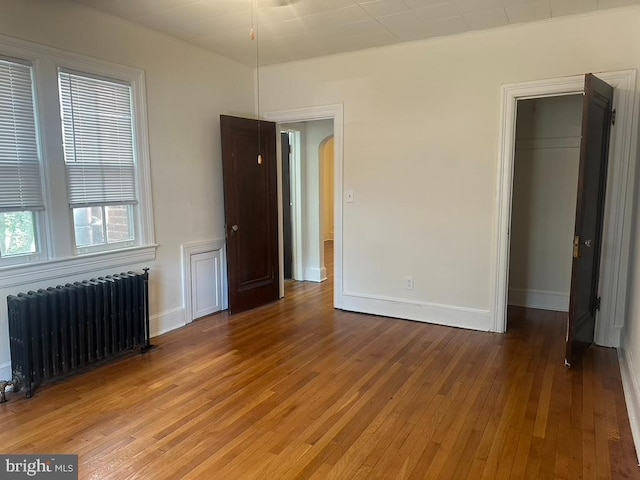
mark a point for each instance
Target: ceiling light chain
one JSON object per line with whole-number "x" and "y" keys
{"x": 253, "y": 34}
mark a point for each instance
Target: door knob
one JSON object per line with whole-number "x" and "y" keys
{"x": 234, "y": 228}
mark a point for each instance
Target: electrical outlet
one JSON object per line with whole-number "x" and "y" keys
{"x": 408, "y": 283}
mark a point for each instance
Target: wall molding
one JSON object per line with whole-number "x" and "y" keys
{"x": 448, "y": 315}
{"x": 618, "y": 208}
{"x": 161, "y": 323}
{"x": 38, "y": 272}
{"x": 194, "y": 248}
{"x": 544, "y": 300}
{"x": 631, "y": 388}
{"x": 313, "y": 274}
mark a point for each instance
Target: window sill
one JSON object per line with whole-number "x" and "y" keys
{"x": 14, "y": 275}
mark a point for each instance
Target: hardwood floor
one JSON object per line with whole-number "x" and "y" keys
{"x": 298, "y": 390}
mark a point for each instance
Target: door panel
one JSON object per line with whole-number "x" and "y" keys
{"x": 251, "y": 212}
{"x": 592, "y": 179}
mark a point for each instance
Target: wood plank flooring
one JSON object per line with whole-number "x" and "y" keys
{"x": 297, "y": 390}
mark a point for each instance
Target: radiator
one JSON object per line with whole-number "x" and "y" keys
{"x": 58, "y": 331}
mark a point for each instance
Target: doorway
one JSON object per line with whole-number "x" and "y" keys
{"x": 618, "y": 196}
{"x": 545, "y": 187}
{"x": 307, "y": 156}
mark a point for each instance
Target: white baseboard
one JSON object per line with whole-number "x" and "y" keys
{"x": 315, "y": 274}
{"x": 452, "y": 316}
{"x": 166, "y": 321}
{"x": 5, "y": 371}
{"x": 557, "y": 301}
{"x": 631, "y": 387}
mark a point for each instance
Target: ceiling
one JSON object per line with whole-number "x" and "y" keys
{"x": 298, "y": 29}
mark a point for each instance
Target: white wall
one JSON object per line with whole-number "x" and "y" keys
{"x": 421, "y": 152}
{"x": 545, "y": 186}
{"x": 187, "y": 89}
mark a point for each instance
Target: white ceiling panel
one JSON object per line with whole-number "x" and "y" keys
{"x": 529, "y": 12}
{"x": 571, "y": 7}
{"x": 405, "y": 26}
{"x": 380, "y": 8}
{"x": 467, "y": 6}
{"x": 487, "y": 18}
{"x": 438, "y": 12}
{"x": 602, "y": 4}
{"x": 448, "y": 26}
{"x": 297, "y": 29}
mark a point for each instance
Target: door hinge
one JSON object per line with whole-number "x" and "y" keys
{"x": 613, "y": 116}
{"x": 597, "y": 305}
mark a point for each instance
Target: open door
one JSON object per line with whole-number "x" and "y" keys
{"x": 251, "y": 211}
{"x": 587, "y": 245}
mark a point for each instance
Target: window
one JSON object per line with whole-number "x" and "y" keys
{"x": 97, "y": 125}
{"x": 74, "y": 168}
{"x": 20, "y": 182}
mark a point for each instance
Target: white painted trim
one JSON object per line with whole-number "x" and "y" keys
{"x": 312, "y": 274}
{"x": 619, "y": 196}
{"x": 5, "y": 371}
{"x": 556, "y": 301}
{"x": 80, "y": 265}
{"x": 631, "y": 387}
{"x": 335, "y": 112}
{"x": 167, "y": 321}
{"x": 194, "y": 248}
{"x": 449, "y": 315}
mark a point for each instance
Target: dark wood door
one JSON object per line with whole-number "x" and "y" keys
{"x": 592, "y": 179}
{"x": 286, "y": 206}
{"x": 251, "y": 211}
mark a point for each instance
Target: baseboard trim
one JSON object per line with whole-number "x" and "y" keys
{"x": 315, "y": 274}
{"x": 631, "y": 389}
{"x": 168, "y": 320}
{"x": 448, "y": 315}
{"x": 557, "y": 301}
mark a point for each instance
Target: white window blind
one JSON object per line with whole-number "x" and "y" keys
{"x": 98, "y": 140}
{"x": 20, "y": 184}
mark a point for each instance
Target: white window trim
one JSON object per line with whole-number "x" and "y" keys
{"x": 54, "y": 266}
{"x": 15, "y": 275}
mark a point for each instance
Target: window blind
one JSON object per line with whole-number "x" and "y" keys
{"x": 98, "y": 140}
{"x": 20, "y": 183}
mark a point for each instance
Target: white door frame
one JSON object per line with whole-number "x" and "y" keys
{"x": 305, "y": 114}
{"x": 618, "y": 203}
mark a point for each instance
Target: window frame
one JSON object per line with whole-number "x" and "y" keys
{"x": 55, "y": 224}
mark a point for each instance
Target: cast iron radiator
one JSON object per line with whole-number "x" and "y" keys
{"x": 58, "y": 331}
